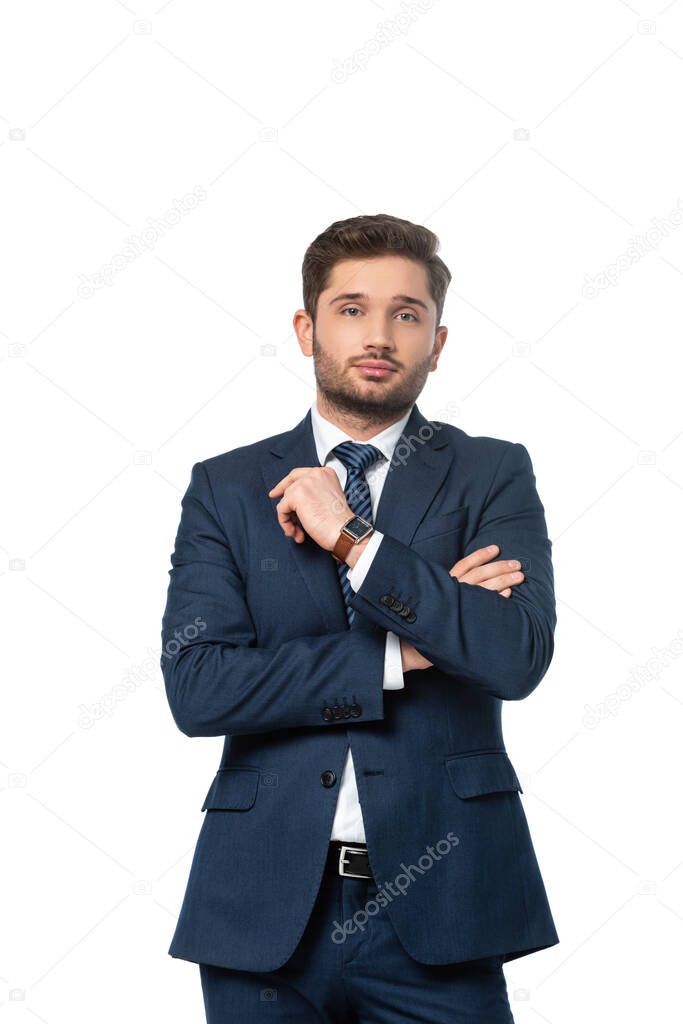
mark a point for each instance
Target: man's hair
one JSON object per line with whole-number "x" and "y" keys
{"x": 367, "y": 236}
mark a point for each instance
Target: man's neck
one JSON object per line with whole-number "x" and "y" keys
{"x": 358, "y": 427}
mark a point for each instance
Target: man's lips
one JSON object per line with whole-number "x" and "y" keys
{"x": 375, "y": 369}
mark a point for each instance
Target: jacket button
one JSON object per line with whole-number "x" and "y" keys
{"x": 327, "y": 714}
{"x": 346, "y": 710}
{"x": 405, "y": 611}
{"x": 396, "y": 605}
{"x": 386, "y": 599}
{"x": 337, "y": 711}
{"x": 328, "y": 778}
{"x": 355, "y": 710}
{"x": 411, "y": 617}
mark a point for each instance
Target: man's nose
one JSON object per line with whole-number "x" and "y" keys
{"x": 380, "y": 333}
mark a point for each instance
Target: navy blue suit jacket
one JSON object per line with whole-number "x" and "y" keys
{"x": 256, "y": 648}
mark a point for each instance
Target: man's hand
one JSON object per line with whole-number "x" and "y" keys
{"x": 501, "y": 576}
{"x": 312, "y": 503}
{"x": 411, "y": 658}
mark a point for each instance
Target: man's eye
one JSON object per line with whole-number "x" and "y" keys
{"x": 348, "y": 309}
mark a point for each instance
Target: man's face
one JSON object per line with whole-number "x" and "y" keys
{"x": 379, "y": 311}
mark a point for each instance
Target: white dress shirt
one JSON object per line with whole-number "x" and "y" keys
{"x": 348, "y": 819}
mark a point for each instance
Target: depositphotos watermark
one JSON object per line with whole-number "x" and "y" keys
{"x": 407, "y": 444}
{"x": 638, "y": 678}
{"x": 638, "y": 247}
{"x": 137, "y": 244}
{"x": 136, "y": 675}
{"x": 401, "y": 883}
{"x": 389, "y": 31}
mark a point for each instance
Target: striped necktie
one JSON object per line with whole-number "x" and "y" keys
{"x": 357, "y": 458}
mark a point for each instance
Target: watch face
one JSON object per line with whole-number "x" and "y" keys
{"x": 357, "y": 527}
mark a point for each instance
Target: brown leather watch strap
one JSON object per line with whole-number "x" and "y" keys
{"x": 343, "y": 546}
{"x": 345, "y": 541}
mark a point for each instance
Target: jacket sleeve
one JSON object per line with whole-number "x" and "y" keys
{"x": 393, "y": 661}
{"x": 218, "y": 681}
{"x": 503, "y": 645}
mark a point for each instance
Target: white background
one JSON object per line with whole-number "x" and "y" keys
{"x": 536, "y": 139}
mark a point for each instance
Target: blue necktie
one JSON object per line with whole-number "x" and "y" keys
{"x": 357, "y": 458}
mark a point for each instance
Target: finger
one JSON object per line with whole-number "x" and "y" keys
{"x": 501, "y": 582}
{"x": 280, "y": 486}
{"x": 476, "y": 558}
{"x": 298, "y": 532}
{"x": 484, "y": 572}
{"x": 506, "y": 592}
{"x": 287, "y": 519}
{"x": 493, "y": 569}
{"x": 294, "y": 474}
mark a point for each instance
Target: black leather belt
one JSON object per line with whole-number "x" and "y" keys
{"x": 349, "y": 859}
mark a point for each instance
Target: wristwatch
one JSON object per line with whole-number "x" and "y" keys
{"x": 352, "y": 532}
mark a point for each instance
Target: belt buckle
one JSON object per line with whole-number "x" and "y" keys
{"x": 342, "y": 861}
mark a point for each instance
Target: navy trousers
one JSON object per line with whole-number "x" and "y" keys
{"x": 350, "y": 968}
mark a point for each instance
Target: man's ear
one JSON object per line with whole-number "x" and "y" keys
{"x": 303, "y": 328}
{"x": 439, "y": 341}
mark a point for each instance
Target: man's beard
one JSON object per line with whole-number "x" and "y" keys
{"x": 381, "y": 400}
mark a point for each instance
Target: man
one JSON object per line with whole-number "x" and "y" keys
{"x": 350, "y": 603}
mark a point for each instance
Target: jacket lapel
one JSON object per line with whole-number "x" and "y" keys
{"x": 421, "y": 460}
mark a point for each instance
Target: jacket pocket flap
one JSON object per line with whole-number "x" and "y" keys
{"x": 233, "y": 789}
{"x": 476, "y": 774}
{"x": 443, "y": 522}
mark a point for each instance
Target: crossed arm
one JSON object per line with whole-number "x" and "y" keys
{"x": 505, "y": 647}
{"x": 218, "y": 681}
{"x": 477, "y": 570}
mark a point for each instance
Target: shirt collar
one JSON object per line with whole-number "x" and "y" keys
{"x": 328, "y": 435}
